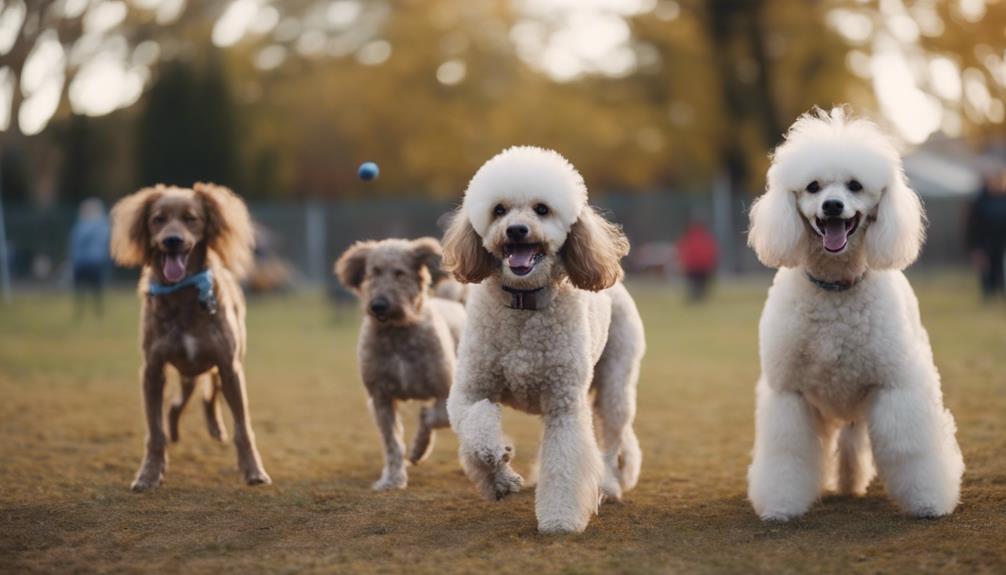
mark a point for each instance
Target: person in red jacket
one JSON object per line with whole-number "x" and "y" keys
{"x": 698, "y": 254}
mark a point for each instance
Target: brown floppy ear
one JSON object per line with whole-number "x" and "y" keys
{"x": 229, "y": 231}
{"x": 428, "y": 253}
{"x": 130, "y": 238}
{"x": 464, "y": 255}
{"x": 352, "y": 263}
{"x": 592, "y": 251}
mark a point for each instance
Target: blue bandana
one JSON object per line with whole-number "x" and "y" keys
{"x": 203, "y": 281}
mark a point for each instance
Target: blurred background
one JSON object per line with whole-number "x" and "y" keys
{"x": 668, "y": 108}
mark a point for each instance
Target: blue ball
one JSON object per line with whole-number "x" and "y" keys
{"x": 368, "y": 171}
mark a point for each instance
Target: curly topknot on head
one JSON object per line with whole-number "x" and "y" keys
{"x": 833, "y": 145}
{"x": 524, "y": 174}
{"x": 837, "y": 146}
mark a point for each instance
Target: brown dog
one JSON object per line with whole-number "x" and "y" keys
{"x": 194, "y": 245}
{"x": 407, "y": 342}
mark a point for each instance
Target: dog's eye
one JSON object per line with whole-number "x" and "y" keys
{"x": 813, "y": 187}
{"x": 541, "y": 210}
{"x": 376, "y": 271}
{"x": 158, "y": 219}
{"x": 188, "y": 218}
{"x": 399, "y": 274}
{"x": 499, "y": 210}
{"x": 854, "y": 186}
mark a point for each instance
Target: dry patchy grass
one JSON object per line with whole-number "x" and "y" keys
{"x": 71, "y": 435}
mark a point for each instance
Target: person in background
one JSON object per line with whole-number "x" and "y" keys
{"x": 986, "y": 234}
{"x": 698, "y": 255}
{"x": 89, "y": 254}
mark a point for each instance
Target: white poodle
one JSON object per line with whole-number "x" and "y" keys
{"x": 549, "y": 323}
{"x": 848, "y": 378}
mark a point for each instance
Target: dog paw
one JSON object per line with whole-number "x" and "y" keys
{"x": 389, "y": 481}
{"x": 611, "y": 489}
{"x": 559, "y": 526}
{"x": 506, "y": 482}
{"x": 778, "y": 515}
{"x": 217, "y": 433}
{"x": 148, "y": 478}
{"x": 258, "y": 477}
{"x": 493, "y": 456}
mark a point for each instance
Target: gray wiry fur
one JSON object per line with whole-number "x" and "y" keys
{"x": 408, "y": 352}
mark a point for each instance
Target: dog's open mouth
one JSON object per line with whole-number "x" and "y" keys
{"x": 173, "y": 265}
{"x": 835, "y": 232}
{"x": 521, "y": 258}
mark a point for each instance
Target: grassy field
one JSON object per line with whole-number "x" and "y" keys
{"x": 71, "y": 437}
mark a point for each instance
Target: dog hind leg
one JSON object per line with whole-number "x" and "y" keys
{"x": 855, "y": 459}
{"x": 178, "y": 405}
{"x": 430, "y": 418}
{"x": 615, "y": 410}
{"x": 211, "y": 407}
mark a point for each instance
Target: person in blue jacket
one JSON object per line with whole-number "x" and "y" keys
{"x": 89, "y": 255}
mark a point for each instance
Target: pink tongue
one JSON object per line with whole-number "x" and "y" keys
{"x": 835, "y": 235}
{"x": 174, "y": 267}
{"x": 522, "y": 256}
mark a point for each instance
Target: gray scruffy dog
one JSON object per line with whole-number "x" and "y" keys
{"x": 407, "y": 344}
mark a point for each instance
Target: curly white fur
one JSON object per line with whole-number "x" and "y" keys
{"x": 586, "y": 337}
{"x": 848, "y": 378}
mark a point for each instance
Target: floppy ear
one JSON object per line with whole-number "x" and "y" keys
{"x": 130, "y": 238}
{"x": 352, "y": 263}
{"x": 895, "y": 237}
{"x": 427, "y": 252}
{"x": 464, "y": 255}
{"x": 776, "y": 229}
{"x": 592, "y": 251}
{"x": 229, "y": 231}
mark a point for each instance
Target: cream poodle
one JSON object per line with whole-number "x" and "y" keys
{"x": 848, "y": 379}
{"x": 549, "y": 322}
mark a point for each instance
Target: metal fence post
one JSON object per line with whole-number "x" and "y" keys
{"x": 5, "y": 290}
{"x": 314, "y": 235}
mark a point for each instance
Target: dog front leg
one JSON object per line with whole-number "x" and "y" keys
{"x": 915, "y": 450}
{"x": 393, "y": 476}
{"x": 786, "y": 474}
{"x": 232, "y": 382}
{"x": 484, "y": 452}
{"x": 155, "y": 458}
{"x": 570, "y": 472}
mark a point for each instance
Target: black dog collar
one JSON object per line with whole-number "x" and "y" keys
{"x": 838, "y": 286}
{"x": 526, "y": 299}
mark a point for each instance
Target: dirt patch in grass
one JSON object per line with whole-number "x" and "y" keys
{"x": 71, "y": 435}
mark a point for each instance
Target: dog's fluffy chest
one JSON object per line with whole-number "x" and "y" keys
{"x": 407, "y": 362}
{"x": 835, "y": 359}
{"x": 541, "y": 355}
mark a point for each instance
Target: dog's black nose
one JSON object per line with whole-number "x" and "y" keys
{"x": 516, "y": 232}
{"x": 172, "y": 242}
{"x": 833, "y": 208}
{"x": 379, "y": 305}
